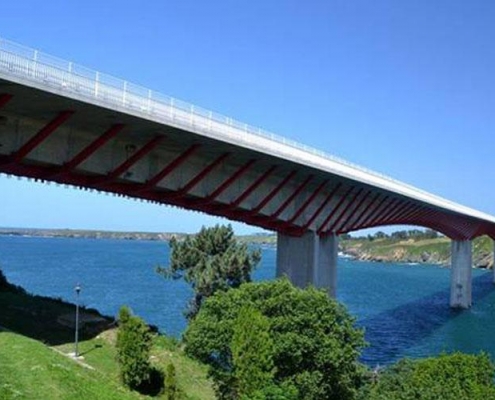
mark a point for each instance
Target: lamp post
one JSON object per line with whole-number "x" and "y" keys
{"x": 78, "y": 290}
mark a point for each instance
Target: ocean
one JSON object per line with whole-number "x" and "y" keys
{"x": 403, "y": 308}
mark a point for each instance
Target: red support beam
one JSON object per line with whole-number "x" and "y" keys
{"x": 4, "y": 99}
{"x": 322, "y": 206}
{"x": 307, "y": 202}
{"x": 335, "y": 209}
{"x": 284, "y": 205}
{"x": 151, "y": 183}
{"x": 228, "y": 182}
{"x": 376, "y": 210}
{"x": 363, "y": 212}
{"x": 272, "y": 194}
{"x": 132, "y": 160}
{"x": 252, "y": 188}
{"x": 43, "y": 134}
{"x": 404, "y": 208}
{"x": 336, "y": 223}
{"x": 359, "y": 204}
{"x": 92, "y": 147}
{"x": 199, "y": 177}
{"x": 390, "y": 208}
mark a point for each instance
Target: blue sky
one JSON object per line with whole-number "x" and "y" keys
{"x": 404, "y": 88}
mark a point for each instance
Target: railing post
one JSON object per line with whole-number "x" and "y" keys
{"x": 97, "y": 83}
{"x": 123, "y": 94}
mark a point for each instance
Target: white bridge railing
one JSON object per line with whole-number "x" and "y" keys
{"x": 54, "y": 73}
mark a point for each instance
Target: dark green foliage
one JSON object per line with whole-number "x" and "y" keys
{"x": 252, "y": 352}
{"x": 210, "y": 261}
{"x": 171, "y": 388}
{"x": 447, "y": 377}
{"x": 315, "y": 343}
{"x": 133, "y": 345}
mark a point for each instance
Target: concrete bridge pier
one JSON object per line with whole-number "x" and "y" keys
{"x": 461, "y": 274}
{"x": 493, "y": 266}
{"x": 308, "y": 259}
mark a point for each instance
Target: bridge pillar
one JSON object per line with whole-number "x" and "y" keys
{"x": 308, "y": 259}
{"x": 493, "y": 265}
{"x": 460, "y": 274}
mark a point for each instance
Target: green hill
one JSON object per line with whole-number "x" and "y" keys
{"x": 36, "y": 336}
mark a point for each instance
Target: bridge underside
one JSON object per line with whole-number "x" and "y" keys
{"x": 49, "y": 137}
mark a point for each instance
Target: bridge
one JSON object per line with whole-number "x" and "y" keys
{"x": 63, "y": 123}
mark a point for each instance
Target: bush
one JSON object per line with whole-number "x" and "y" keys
{"x": 171, "y": 387}
{"x": 447, "y": 377}
{"x": 134, "y": 342}
{"x": 315, "y": 344}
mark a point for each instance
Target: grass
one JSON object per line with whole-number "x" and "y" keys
{"x": 31, "y": 366}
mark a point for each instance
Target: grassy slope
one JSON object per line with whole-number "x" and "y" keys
{"x": 29, "y": 369}
{"x": 427, "y": 250}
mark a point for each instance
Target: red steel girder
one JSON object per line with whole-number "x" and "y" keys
{"x": 391, "y": 206}
{"x": 84, "y": 154}
{"x": 42, "y": 134}
{"x": 252, "y": 187}
{"x": 308, "y": 201}
{"x": 228, "y": 182}
{"x": 335, "y": 209}
{"x": 334, "y": 226}
{"x": 401, "y": 212}
{"x": 138, "y": 155}
{"x": 284, "y": 205}
{"x": 272, "y": 194}
{"x": 382, "y": 204}
{"x": 359, "y": 204}
{"x": 199, "y": 177}
{"x": 4, "y": 99}
{"x": 363, "y": 212}
{"x": 321, "y": 207}
{"x": 151, "y": 183}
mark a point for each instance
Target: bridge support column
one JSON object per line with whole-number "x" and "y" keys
{"x": 493, "y": 265}
{"x": 460, "y": 274}
{"x": 308, "y": 259}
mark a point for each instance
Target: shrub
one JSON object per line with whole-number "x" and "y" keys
{"x": 171, "y": 387}
{"x": 134, "y": 342}
{"x": 447, "y": 377}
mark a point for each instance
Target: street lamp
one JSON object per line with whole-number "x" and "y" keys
{"x": 78, "y": 290}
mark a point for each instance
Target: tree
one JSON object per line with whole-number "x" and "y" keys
{"x": 210, "y": 261}
{"x": 447, "y": 377}
{"x": 133, "y": 349}
{"x": 252, "y": 352}
{"x": 315, "y": 344}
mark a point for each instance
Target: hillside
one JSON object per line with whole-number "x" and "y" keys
{"x": 411, "y": 250}
{"x": 37, "y": 333}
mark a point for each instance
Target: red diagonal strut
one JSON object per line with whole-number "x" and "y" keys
{"x": 138, "y": 155}
{"x": 92, "y": 147}
{"x": 335, "y": 209}
{"x": 356, "y": 208}
{"x": 151, "y": 183}
{"x": 228, "y": 182}
{"x": 322, "y": 206}
{"x": 199, "y": 177}
{"x": 350, "y": 204}
{"x": 308, "y": 202}
{"x": 37, "y": 139}
{"x": 252, "y": 187}
{"x": 364, "y": 211}
{"x": 291, "y": 197}
{"x": 382, "y": 204}
{"x": 270, "y": 196}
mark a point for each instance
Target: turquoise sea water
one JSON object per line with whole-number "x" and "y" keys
{"x": 404, "y": 308}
